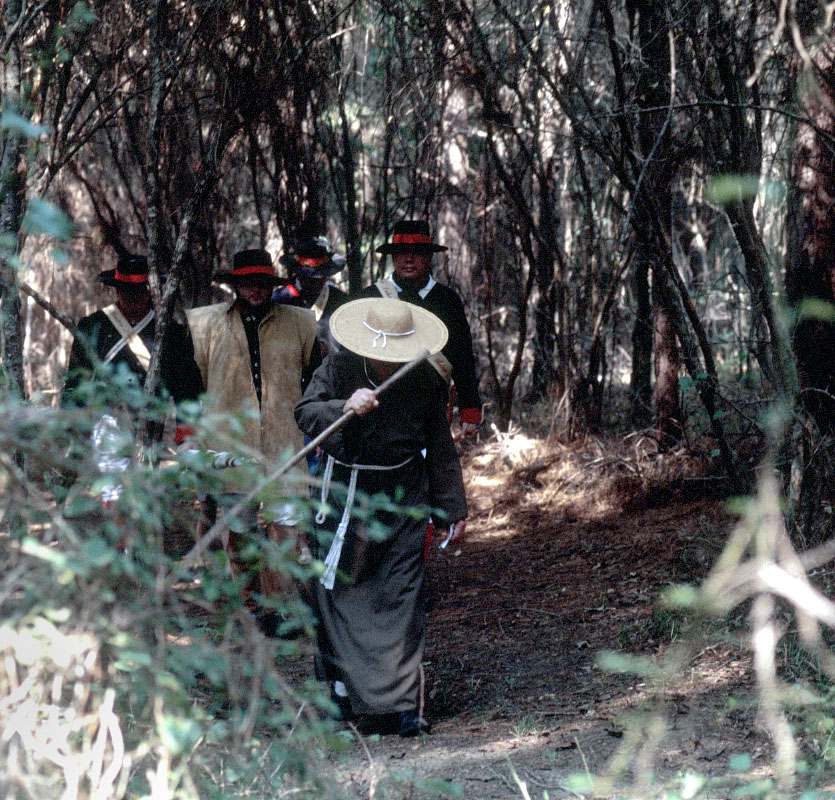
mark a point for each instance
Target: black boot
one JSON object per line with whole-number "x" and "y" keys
{"x": 343, "y": 705}
{"x": 411, "y": 724}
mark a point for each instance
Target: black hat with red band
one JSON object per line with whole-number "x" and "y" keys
{"x": 250, "y": 265}
{"x": 313, "y": 258}
{"x": 411, "y": 236}
{"x": 131, "y": 271}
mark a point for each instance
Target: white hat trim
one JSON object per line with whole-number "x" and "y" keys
{"x": 385, "y": 334}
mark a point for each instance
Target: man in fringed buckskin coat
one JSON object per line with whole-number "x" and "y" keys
{"x": 254, "y": 357}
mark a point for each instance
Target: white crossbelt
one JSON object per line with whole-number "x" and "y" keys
{"x": 130, "y": 336}
{"x": 318, "y": 307}
{"x": 328, "y": 577}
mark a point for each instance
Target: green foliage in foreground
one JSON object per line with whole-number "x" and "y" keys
{"x": 758, "y": 597}
{"x": 124, "y": 672}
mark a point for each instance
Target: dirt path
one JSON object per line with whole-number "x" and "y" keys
{"x": 566, "y": 557}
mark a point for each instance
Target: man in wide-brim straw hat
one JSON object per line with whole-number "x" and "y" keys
{"x": 369, "y": 600}
{"x": 411, "y": 249}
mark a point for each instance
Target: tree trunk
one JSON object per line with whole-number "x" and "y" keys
{"x": 551, "y": 302}
{"x": 666, "y": 405}
{"x": 810, "y": 261}
{"x": 772, "y": 353}
{"x": 654, "y": 204}
{"x": 640, "y": 386}
{"x": 153, "y": 190}
{"x": 544, "y": 340}
{"x": 352, "y": 228}
{"x": 12, "y": 188}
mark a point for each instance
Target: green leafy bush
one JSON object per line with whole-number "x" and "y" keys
{"x": 126, "y": 670}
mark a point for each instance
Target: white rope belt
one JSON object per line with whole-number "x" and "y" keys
{"x": 328, "y": 577}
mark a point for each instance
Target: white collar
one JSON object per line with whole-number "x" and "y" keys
{"x": 422, "y": 292}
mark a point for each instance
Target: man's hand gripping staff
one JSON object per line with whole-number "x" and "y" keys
{"x": 363, "y": 401}
{"x": 223, "y": 521}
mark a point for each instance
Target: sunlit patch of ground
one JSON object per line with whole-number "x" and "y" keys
{"x": 567, "y": 554}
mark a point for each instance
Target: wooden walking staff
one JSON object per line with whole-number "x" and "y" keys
{"x": 221, "y": 524}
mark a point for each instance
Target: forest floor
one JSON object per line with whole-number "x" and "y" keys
{"x": 567, "y": 554}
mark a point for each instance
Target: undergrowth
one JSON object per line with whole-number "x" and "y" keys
{"x": 126, "y": 670}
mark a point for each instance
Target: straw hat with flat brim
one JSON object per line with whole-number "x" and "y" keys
{"x": 387, "y": 329}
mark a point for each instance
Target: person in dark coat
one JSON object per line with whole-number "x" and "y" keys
{"x": 369, "y": 601}
{"x": 310, "y": 266}
{"x": 132, "y": 311}
{"x": 411, "y": 249}
{"x": 120, "y": 337}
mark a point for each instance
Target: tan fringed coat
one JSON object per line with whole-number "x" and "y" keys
{"x": 287, "y": 336}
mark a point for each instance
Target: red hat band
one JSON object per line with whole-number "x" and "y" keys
{"x": 254, "y": 269}
{"x": 125, "y": 278}
{"x": 411, "y": 238}
{"x": 312, "y": 262}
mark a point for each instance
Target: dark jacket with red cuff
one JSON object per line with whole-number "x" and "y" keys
{"x": 445, "y": 304}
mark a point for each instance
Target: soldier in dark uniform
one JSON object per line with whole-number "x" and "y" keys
{"x": 179, "y": 375}
{"x": 411, "y": 249}
{"x": 310, "y": 265}
{"x": 120, "y": 338}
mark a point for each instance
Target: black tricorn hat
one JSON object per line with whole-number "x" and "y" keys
{"x": 411, "y": 236}
{"x": 312, "y": 257}
{"x": 131, "y": 270}
{"x": 253, "y": 263}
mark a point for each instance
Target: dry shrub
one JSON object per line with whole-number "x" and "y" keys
{"x": 122, "y": 671}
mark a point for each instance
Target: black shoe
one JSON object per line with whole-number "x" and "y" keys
{"x": 278, "y": 626}
{"x": 380, "y": 724}
{"x": 411, "y": 724}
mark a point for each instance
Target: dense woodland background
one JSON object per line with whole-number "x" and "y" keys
{"x": 637, "y": 196}
{"x": 625, "y": 187}
{"x": 638, "y": 200}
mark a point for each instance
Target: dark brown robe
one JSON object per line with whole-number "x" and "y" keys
{"x": 371, "y": 624}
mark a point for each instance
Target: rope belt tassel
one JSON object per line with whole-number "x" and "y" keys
{"x": 328, "y": 577}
